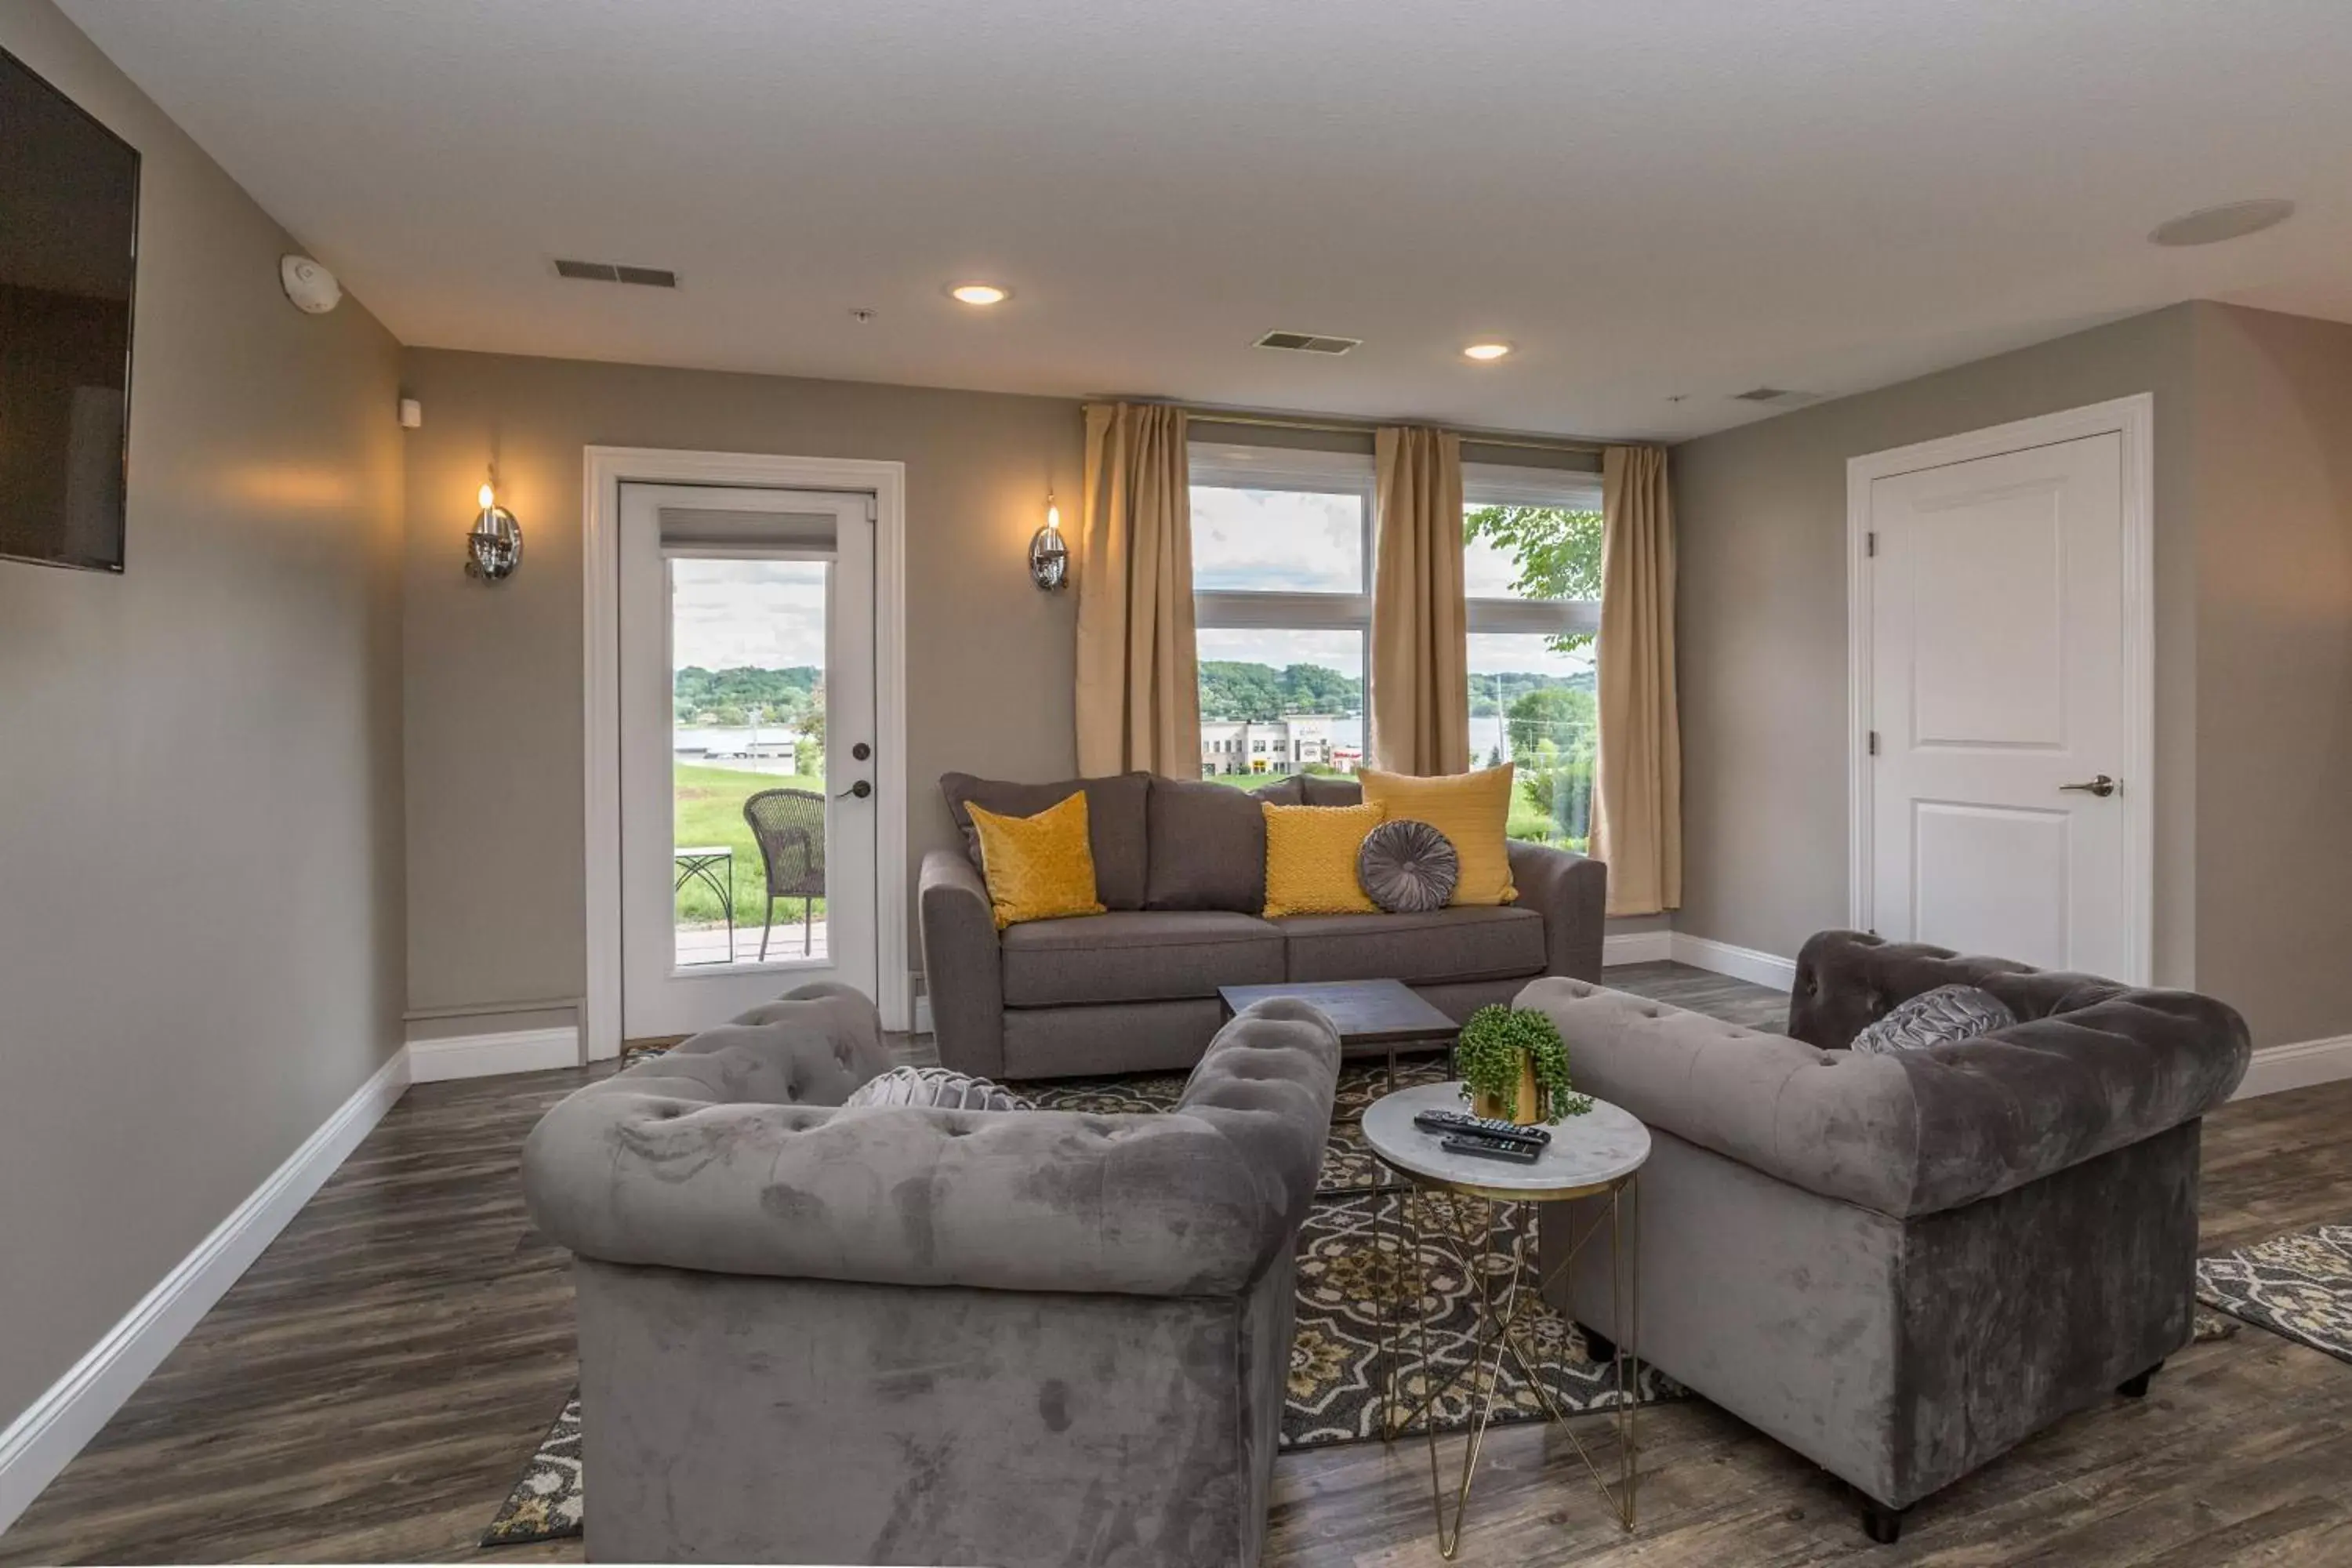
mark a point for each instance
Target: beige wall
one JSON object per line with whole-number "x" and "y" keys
{"x": 2273, "y": 468}
{"x": 2253, "y": 518}
{"x": 1761, "y": 622}
{"x": 200, "y": 923}
{"x": 495, "y": 741}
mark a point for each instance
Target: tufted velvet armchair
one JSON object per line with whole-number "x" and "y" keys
{"x": 1902, "y": 1266}
{"x": 911, "y": 1335}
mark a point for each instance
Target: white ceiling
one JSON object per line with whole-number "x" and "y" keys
{"x": 1650, "y": 198}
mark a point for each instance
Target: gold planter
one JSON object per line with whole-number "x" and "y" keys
{"x": 1524, "y": 1108}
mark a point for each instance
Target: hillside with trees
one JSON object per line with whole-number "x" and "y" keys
{"x": 745, "y": 695}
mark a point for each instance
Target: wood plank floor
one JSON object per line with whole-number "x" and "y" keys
{"x": 369, "y": 1391}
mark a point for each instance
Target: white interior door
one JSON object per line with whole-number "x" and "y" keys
{"x": 2001, "y": 700}
{"x": 747, "y": 688}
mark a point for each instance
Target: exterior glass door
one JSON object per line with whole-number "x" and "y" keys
{"x": 747, "y": 727}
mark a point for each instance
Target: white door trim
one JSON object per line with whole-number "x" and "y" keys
{"x": 607, "y": 468}
{"x": 2133, "y": 420}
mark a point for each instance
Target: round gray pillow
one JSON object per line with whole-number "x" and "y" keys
{"x": 1407, "y": 867}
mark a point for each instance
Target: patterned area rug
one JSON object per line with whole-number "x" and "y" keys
{"x": 2298, "y": 1284}
{"x": 1351, "y": 1271}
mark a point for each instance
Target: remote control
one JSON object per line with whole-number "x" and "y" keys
{"x": 1441, "y": 1121}
{"x": 1488, "y": 1147}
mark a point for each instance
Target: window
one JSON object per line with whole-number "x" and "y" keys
{"x": 1531, "y": 572}
{"x": 1282, "y": 569}
{"x": 1282, "y": 566}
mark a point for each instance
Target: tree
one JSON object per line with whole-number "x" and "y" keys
{"x": 1557, "y": 552}
{"x": 1558, "y": 716}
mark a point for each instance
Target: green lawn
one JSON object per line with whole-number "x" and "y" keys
{"x": 711, "y": 811}
{"x": 1527, "y": 820}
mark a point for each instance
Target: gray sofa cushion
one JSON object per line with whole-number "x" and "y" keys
{"x": 1471, "y": 943}
{"x": 1145, "y": 955}
{"x": 1208, "y": 844}
{"x": 650, "y": 1167}
{"x": 1116, "y": 817}
{"x": 1918, "y": 1132}
{"x": 1330, "y": 789}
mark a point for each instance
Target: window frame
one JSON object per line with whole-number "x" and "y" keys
{"x": 1224, "y": 466}
{"x": 1569, "y": 489}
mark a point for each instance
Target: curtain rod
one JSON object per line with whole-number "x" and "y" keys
{"x": 1366, "y": 427}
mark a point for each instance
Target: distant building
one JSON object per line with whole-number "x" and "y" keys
{"x": 1270, "y": 745}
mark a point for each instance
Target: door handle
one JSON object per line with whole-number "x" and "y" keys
{"x": 861, "y": 789}
{"x": 2102, "y": 787}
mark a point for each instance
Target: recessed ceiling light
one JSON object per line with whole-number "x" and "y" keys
{"x": 1487, "y": 351}
{"x": 2211, "y": 225}
{"x": 979, "y": 293}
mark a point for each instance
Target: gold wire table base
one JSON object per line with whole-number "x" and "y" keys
{"x": 1506, "y": 1298}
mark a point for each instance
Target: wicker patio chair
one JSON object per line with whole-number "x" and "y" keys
{"x": 789, "y": 825}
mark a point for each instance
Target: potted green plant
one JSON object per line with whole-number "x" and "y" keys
{"x": 1513, "y": 1067}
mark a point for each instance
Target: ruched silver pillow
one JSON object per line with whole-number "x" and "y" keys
{"x": 1407, "y": 867}
{"x": 939, "y": 1087}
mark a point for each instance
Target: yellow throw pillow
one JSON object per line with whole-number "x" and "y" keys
{"x": 1310, "y": 859}
{"x": 1038, "y": 867}
{"x": 1473, "y": 810}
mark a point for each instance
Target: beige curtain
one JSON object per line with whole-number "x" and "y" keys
{"x": 1138, "y": 695}
{"x": 1638, "y": 809}
{"x": 1421, "y": 653}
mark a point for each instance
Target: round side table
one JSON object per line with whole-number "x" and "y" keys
{"x": 1598, "y": 1156}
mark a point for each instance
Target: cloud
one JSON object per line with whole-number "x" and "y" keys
{"x": 769, "y": 614}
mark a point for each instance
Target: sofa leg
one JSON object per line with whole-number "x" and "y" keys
{"x": 1881, "y": 1523}
{"x": 1597, "y": 1346}
{"x": 2137, "y": 1387}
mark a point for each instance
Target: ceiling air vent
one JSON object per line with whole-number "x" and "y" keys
{"x": 1774, "y": 394}
{"x": 1307, "y": 343}
{"x": 611, "y": 272}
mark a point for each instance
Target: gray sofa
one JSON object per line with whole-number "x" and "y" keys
{"x": 1180, "y": 866}
{"x": 913, "y": 1335}
{"x": 1902, "y": 1266}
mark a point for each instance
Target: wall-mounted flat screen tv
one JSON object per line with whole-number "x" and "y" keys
{"x": 68, "y": 255}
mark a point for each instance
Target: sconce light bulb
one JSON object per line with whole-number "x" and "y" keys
{"x": 1052, "y": 516}
{"x": 487, "y": 496}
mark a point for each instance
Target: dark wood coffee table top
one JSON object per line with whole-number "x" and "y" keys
{"x": 1366, "y": 1012}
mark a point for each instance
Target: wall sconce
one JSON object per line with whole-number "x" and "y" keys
{"x": 494, "y": 547}
{"x": 1049, "y": 558}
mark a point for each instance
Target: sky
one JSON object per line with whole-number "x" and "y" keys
{"x": 771, "y": 614}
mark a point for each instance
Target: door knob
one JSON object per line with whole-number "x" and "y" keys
{"x": 861, "y": 789}
{"x": 2102, "y": 787}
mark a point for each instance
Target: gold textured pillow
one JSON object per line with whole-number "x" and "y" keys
{"x": 1310, "y": 859}
{"x": 1473, "y": 810}
{"x": 1038, "y": 867}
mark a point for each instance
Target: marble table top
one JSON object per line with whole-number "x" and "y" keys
{"x": 1585, "y": 1151}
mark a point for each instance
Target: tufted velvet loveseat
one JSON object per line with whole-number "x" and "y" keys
{"x": 809, "y": 1334}
{"x": 1902, "y": 1266}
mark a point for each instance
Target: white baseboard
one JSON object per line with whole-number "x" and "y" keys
{"x": 484, "y": 1055}
{"x": 2296, "y": 1066}
{"x": 1637, "y": 947}
{"x": 53, "y": 1429}
{"x": 1739, "y": 963}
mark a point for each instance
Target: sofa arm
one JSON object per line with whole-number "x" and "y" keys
{"x": 962, "y": 973}
{"x": 1909, "y": 1132}
{"x": 1572, "y": 892}
{"x": 644, "y": 1169}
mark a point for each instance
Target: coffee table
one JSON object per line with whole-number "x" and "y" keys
{"x": 1370, "y": 1015}
{"x": 1595, "y": 1156}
